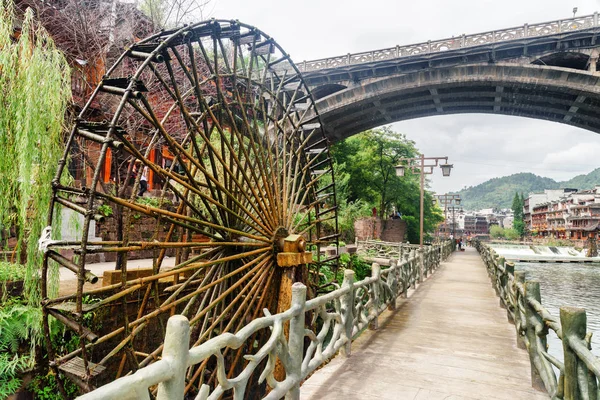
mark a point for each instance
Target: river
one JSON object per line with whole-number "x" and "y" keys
{"x": 573, "y": 284}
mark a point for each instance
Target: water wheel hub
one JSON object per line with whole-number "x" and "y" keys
{"x": 293, "y": 252}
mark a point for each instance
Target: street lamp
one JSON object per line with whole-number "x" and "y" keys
{"x": 449, "y": 200}
{"x": 419, "y": 163}
{"x": 446, "y": 169}
{"x": 400, "y": 170}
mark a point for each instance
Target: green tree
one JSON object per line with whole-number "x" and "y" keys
{"x": 517, "y": 208}
{"x": 34, "y": 94}
{"x": 365, "y": 175}
{"x": 496, "y": 231}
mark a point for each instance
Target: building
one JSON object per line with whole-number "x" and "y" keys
{"x": 476, "y": 224}
{"x": 571, "y": 216}
{"x": 534, "y": 199}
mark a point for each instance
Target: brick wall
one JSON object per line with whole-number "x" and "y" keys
{"x": 143, "y": 228}
{"x": 390, "y": 230}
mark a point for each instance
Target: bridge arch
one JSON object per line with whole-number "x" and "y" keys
{"x": 566, "y": 59}
{"x": 556, "y": 94}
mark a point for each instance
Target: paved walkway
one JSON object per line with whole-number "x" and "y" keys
{"x": 68, "y": 280}
{"x": 449, "y": 340}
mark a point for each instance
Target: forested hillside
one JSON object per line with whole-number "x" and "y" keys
{"x": 499, "y": 192}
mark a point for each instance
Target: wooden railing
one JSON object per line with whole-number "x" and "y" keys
{"x": 458, "y": 42}
{"x": 339, "y": 316}
{"x": 579, "y": 373}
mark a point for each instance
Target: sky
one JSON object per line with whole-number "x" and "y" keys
{"x": 481, "y": 146}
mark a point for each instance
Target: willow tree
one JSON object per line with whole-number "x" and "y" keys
{"x": 34, "y": 95}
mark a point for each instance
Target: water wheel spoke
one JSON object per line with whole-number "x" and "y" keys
{"x": 236, "y": 161}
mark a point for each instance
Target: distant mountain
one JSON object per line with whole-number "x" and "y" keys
{"x": 499, "y": 192}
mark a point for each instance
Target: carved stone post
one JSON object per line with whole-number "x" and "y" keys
{"x": 347, "y": 310}
{"x": 403, "y": 276}
{"x": 393, "y": 283}
{"x": 510, "y": 271}
{"x": 421, "y": 263}
{"x": 375, "y": 273}
{"x": 573, "y": 322}
{"x": 503, "y": 280}
{"x": 176, "y": 351}
{"x": 296, "y": 339}
{"x": 542, "y": 376}
{"x": 520, "y": 320}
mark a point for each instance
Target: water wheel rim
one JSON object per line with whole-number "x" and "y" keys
{"x": 248, "y": 144}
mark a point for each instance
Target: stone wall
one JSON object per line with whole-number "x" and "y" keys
{"x": 389, "y": 230}
{"x": 143, "y": 228}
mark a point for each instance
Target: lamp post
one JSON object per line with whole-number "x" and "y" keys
{"x": 419, "y": 163}
{"x": 448, "y": 200}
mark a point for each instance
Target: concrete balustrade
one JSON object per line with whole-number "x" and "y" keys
{"x": 342, "y": 315}
{"x": 577, "y": 376}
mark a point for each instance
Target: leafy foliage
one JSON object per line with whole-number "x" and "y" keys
{"x": 20, "y": 325}
{"x": 366, "y": 178}
{"x": 11, "y": 272}
{"x": 497, "y": 232}
{"x": 34, "y": 93}
{"x": 517, "y": 207}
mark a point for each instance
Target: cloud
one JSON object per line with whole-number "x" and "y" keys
{"x": 485, "y": 146}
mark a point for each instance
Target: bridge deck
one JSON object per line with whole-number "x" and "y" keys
{"x": 449, "y": 340}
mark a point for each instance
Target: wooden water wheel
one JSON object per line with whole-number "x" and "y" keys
{"x": 216, "y": 119}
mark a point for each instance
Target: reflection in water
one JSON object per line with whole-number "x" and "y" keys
{"x": 576, "y": 285}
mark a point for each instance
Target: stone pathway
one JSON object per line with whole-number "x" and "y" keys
{"x": 449, "y": 340}
{"x": 68, "y": 280}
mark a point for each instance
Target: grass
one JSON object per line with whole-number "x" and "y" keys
{"x": 10, "y": 272}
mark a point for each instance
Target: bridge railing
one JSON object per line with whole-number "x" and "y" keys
{"x": 578, "y": 375}
{"x": 373, "y": 249}
{"x": 335, "y": 319}
{"x": 463, "y": 41}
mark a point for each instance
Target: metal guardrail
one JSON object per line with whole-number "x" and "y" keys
{"x": 463, "y": 41}
{"x": 579, "y": 373}
{"x": 340, "y": 316}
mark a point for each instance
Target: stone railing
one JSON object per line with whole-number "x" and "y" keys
{"x": 576, "y": 377}
{"x": 377, "y": 250}
{"x": 340, "y": 316}
{"x": 463, "y": 41}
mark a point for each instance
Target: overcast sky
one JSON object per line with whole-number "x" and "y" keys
{"x": 480, "y": 146}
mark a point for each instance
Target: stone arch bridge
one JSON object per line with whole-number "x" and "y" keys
{"x": 544, "y": 71}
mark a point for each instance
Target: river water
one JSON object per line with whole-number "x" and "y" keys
{"x": 572, "y": 284}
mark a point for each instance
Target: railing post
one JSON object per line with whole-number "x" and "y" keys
{"x": 510, "y": 271}
{"x": 503, "y": 280}
{"x": 393, "y": 284}
{"x": 495, "y": 272}
{"x": 347, "y": 311}
{"x": 375, "y": 273}
{"x": 176, "y": 352}
{"x": 526, "y": 30}
{"x": 520, "y": 321}
{"x": 596, "y": 18}
{"x": 573, "y": 322}
{"x": 535, "y": 335}
{"x": 421, "y": 263}
{"x": 296, "y": 339}
{"x": 404, "y": 275}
